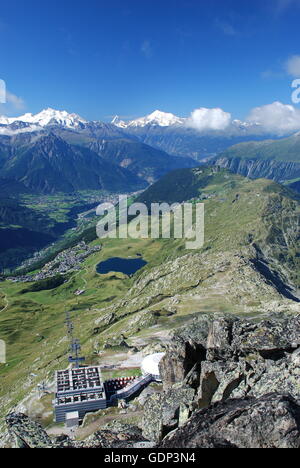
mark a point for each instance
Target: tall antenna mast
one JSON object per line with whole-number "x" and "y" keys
{"x": 75, "y": 346}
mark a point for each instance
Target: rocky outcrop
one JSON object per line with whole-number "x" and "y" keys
{"x": 186, "y": 350}
{"x": 26, "y": 433}
{"x": 228, "y": 382}
{"x": 272, "y": 421}
{"x": 234, "y": 358}
{"x": 114, "y": 435}
{"x": 255, "y": 359}
{"x": 222, "y": 358}
{"x": 260, "y": 168}
{"x": 163, "y": 411}
{"x": 118, "y": 342}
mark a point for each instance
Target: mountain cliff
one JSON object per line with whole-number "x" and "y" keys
{"x": 277, "y": 160}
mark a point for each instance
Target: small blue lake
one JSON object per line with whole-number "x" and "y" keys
{"x": 128, "y": 266}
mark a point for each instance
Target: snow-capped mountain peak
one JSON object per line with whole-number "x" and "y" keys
{"x": 118, "y": 122}
{"x": 47, "y": 117}
{"x": 156, "y": 118}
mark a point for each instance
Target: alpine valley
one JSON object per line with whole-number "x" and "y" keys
{"x": 226, "y": 315}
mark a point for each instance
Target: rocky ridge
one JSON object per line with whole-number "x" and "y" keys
{"x": 228, "y": 382}
{"x": 271, "y": 421}
{"x": 25, "y": 433}
{"x": 220, "y": 359}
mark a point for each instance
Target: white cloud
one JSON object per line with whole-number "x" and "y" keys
{"x": 209, "y": 119}
{"x": 147, "y": 49}
{"x": 16, "y": 101}
{"x": 292, "y": 66}
{"x": 13, "y": 104}
{"x": 277, "y": 117}
{"x": 270, "y": 74}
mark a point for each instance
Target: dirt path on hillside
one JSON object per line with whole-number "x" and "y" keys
{"x": 78, "y": 273}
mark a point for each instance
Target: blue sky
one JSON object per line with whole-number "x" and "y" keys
{"x": 100, "y": 58}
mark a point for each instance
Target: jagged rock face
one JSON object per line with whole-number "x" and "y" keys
{"x": 255, "y": 358}
{"x": 179, "y": 361}
{"x": 26, "y": 433}
{"x": 258, "y": 168}
{"x": 269, "y": 337}
{"x": 221, "y": 358}
{"x": 227, "y": 383}
{"x": 219, "y": 339}
{"x": 220, "y": 380}
{"x": 271, "y": 421}
{"x": 237, "y": 353}
{"x": 187, "y": 348}
{"x": 162, "y": 412}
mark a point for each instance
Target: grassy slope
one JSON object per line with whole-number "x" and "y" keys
{"x": 218, "y": 278}
{"x": 286, "y": 150}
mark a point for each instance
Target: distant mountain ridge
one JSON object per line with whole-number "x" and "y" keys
{"x": 159, "y": 118}
{"x": 167, "y": 119}
{"x": 278, "y": 160}
{"x": 165, "y": 131}
{"x": 143, "y": 150}
{"x": 229, "y": 198}
{"x": 54, "y": 151}
{"x": 48, "y": 164}
{"x": 47, "y": 117}
{"x": 180, "y": 137}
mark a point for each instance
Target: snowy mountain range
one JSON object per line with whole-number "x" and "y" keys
{"x": 52, "y": 117}
{"x": 57, "y": 151}
{"x": 166, "y": 119}
{"x": 161, "y": 119}
{"x": 46, "y": 117}
{"x": 204, "y": 134}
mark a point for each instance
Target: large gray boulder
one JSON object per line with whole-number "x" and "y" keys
{"x": 224, "y": 357}
{"x": 26, "y": 433}
{"x": 270, "y": 338}
{"x": 187, "y": 348}
{"x": 272, "y": 421}
{"x": 163, "y": 411}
